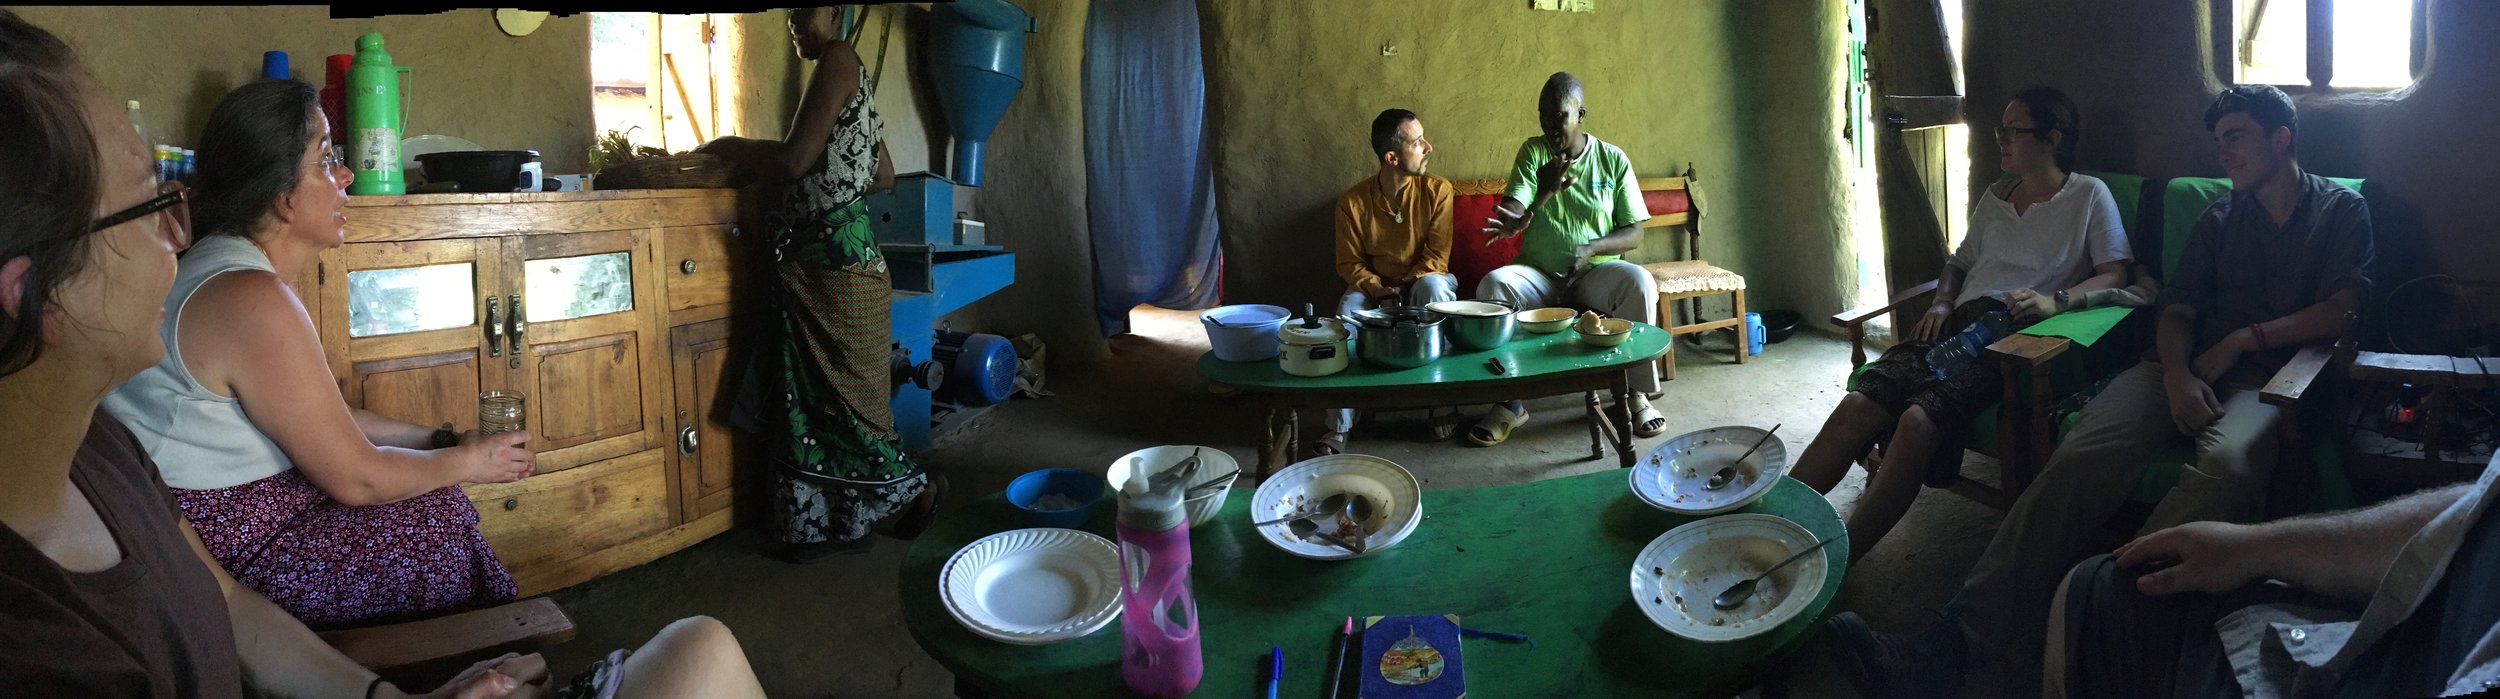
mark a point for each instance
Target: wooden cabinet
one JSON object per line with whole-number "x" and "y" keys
{"x": 609, "y": 311}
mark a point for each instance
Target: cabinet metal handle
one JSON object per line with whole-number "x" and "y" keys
{"x": 686, "y": 265}
{"x": 494, "y": 329}
{"x": 687, "y": 441}
{"x": 514, "y": 302}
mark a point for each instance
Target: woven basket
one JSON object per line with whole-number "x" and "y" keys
{"x": 686, "y": 171}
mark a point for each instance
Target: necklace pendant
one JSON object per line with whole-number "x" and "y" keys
{"x": 1400, "y": 218}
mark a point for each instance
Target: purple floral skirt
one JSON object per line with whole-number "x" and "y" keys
{"x": 332, "y": 565}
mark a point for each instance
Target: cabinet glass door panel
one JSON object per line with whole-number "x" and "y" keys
{"x": 404, "y": 325}
{"x": 565, "y": 288}
{"x": 411, "y": 299}
{"x": 587, "y": 364}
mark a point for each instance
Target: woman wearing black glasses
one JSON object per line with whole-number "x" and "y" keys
{"x": 105, "y": 589}
{"x": 2038, "y": 244}
{"x": 339, "y": 515}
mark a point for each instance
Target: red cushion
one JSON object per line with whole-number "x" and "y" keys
{"x": 1667, "y": 201}
{"x": 1470, "y": 258}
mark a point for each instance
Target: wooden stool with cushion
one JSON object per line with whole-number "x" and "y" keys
{"x": 1674, "y": 201}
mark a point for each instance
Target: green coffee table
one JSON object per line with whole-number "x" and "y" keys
{"x": 1550, "y": 559}
{"x": 1537, "y": 366}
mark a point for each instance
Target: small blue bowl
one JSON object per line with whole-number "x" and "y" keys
{"x": 1082, "y": 487}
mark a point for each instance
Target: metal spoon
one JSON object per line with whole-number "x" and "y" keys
{"x": 1358, "y": 509}
{"x": 1728, "y": 473}
{"x": 1306, "y": 530}
{"x": 1736, "y": 594}
{"x": 1333, "y": 503}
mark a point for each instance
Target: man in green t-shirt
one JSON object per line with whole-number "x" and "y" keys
{"x": 1578, "y": 206}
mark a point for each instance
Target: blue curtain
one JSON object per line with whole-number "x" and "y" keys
{"x": 1149, "y": 166}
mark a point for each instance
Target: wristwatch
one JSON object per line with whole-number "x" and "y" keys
{"x": 2062, "y": 302}
{"x": 445, "y": 438}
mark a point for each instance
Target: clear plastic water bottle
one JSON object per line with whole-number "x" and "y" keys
{"x": 1158, "y": 617}
{"x": 1959, "y": 352}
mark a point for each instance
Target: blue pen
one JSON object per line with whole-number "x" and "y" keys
{"x": 1275, "y": 668}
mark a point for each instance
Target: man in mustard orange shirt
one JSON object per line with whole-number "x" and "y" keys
{"x": 1393, "y": 235}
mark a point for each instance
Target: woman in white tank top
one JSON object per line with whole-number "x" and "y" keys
{"x": 339, "y": 515}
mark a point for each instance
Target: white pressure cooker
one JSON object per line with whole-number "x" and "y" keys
{"x": 1314, "y": 346}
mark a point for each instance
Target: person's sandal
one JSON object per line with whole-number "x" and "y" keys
{"x": 1646, "y": 421}
{"x": 1495, "y": 427}
{"x": 1330, "y": 444}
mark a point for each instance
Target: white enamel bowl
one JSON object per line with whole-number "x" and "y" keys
{"x": 1676, "y": 576}
{"x": 1675, "y": 474}
{"x": 1396, "y": 497}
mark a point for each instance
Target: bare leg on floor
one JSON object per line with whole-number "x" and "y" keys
{"x": 1846, "y": 436}
{"x": 1890, "y": 492}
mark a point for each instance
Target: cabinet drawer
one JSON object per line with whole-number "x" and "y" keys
{"x": 700, "y": 266}
{"x": 557, "y": 516}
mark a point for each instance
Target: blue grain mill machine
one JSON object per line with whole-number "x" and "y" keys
{"x": 940, "y": 260}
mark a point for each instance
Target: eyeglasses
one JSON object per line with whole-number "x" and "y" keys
{"x": 2007, "y": 133}
{"x": 171, "y": 198}
{"x": 331, "y": 157}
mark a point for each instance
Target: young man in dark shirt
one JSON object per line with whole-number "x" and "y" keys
{"x": 2280, "y": 263}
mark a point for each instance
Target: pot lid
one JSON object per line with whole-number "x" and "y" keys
{"x": 1312, "y": 331}
{"x": 1396, "y": 315}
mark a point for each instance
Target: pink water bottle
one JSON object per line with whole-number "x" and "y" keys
{"x": 1158, "y": 617}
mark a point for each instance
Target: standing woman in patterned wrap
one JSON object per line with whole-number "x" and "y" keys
{"x": 840, "y": 461}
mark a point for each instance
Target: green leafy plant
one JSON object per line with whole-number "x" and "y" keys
{"x": 614, "y": 147}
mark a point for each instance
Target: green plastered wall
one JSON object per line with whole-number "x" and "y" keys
{"x": 1746, "y": 92}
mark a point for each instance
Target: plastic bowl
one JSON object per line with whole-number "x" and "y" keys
{"x": 1244, "y": 333}
{"x": 1082, "y": 488}
{"x": 1212, "y": 462}
{"x": 1610, "y": 332}
{"x": 1545, "y": 321}
{"x": 1778, "y": 325}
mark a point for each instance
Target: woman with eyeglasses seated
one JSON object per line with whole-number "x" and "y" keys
{"x": 339, "y": 515}
{"x": 2041, "y": 243}
{"x": 105, "y": 589}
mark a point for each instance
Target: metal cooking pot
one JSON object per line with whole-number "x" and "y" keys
{"x": 1477, "y": 325}
{"x": 1398, "y": 337}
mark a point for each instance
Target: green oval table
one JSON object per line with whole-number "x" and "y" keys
{"x": 1549, "y": 559}
{"x": 1534, "y": 366}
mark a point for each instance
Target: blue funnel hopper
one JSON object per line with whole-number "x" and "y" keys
{"x": 976, "y": 51}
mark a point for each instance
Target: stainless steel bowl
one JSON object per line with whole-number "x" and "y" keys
{"x": 1477, "y": 325}
{"x": 1397, "y": 338}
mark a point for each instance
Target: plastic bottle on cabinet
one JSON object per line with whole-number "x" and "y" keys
{"x": 1159, "y": 655}
{"x": 137, "y": 124}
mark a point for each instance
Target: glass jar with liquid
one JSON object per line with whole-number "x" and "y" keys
{"x": 500, "y": 411}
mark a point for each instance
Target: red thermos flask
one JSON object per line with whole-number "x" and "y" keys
{"x": 334, "y": 95}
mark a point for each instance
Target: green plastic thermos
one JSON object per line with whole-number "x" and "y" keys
{"x": 376, "y": 117}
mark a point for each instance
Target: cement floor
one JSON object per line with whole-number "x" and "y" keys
{"x": 835, "y": 628}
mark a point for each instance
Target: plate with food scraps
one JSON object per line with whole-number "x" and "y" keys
{"x": 1676, "y": 576}
{"x": 1675, "y": 475}
{"x": 1397, "y": 503}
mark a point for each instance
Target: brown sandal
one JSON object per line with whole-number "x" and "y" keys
{"x": 1330, "y": 444}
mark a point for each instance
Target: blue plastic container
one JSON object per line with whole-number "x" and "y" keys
{"x": 1244, "y": 333}
{"x": 1082, "y": 487}
{"x": 1755, "y": 334}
